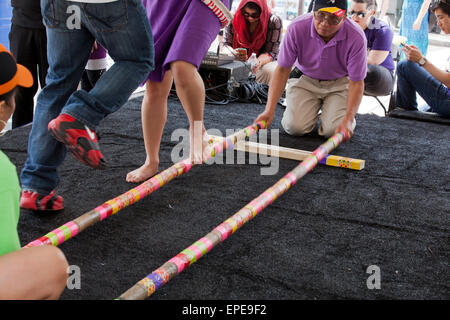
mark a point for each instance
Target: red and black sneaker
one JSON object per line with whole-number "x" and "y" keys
{"x": 32, "y": 200}
{"x": 80, "y": 140}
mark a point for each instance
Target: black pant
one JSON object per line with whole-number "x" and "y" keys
{"x": 379, "y": 81}
{"x": 29, "y": 47}
{"x": 90, "y": 78}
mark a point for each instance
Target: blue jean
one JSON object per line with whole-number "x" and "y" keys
{"x": 122, "y": 27}
{"x": 413, "y": 78}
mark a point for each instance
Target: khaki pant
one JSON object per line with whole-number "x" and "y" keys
{"x": 306, "y": 96}
{"x": 265, "y": 73}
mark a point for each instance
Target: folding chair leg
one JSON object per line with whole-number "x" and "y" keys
{"x": 382, "y": 105}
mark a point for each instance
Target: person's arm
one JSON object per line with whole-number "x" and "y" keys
{"x": 355, "y": 94}
{"x": 357, "y": 70}
{"x": 413, "y": 54}
{"x": 273, "y": 40}
{"x": 262, "y": 60}
{"x": 227, "y": 44}
{"x": 276, "y": 88}
{"x": 381, "y": 46}
{"x": 35, "y": 273}
{"x": 272, "y": 4}
{"x": 384, "y": 8}
{"x": 422, "y": 12}
{"x": 376, "y": 57}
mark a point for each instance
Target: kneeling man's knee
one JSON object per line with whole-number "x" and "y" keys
{"x": 296, "y": 128}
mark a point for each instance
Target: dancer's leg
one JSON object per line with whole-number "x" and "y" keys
{"x": 154, "y": 115}
{"x": 191, "y": 92}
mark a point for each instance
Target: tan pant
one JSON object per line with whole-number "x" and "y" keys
{"x": 306, "y": 96}
{"x": 265, "y": 73}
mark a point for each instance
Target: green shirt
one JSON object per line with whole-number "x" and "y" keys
{"x": 9, "y": 206}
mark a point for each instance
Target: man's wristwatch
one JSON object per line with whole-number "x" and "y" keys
{"x": 422, "y": 61}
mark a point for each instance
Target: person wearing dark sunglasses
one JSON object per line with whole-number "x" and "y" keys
{"x": 379, "y": 80}
{"x": 418, "y": 75}
{"x": 258, "y": 30}
{"x": 329, "y": 50}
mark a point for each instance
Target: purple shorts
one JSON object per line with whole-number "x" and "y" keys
{"x": 182, "y": 30}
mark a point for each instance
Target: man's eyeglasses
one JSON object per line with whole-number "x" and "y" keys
{"x": 360, "y": 14}
{"x": 330, "y": 18}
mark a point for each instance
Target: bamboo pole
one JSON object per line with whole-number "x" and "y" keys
{"x": 300, "y": 155}
{"x": 152, "y": 282}
{"x": 111, "y": 207}
{"x": 295, "y": 154}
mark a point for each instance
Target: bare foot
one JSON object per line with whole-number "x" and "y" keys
{"x": 200, "y": 157}
{"x": 142, "y": 173}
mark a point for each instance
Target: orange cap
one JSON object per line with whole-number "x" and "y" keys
{"x": 12, "y": 74}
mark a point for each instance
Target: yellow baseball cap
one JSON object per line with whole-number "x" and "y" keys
{"x": 336, "y": 7}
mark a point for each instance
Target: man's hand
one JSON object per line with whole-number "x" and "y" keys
{"x": 265, "y": 116}
{"x": 345, "y": 127}
{"x": 412, "y": 53}
{"x": 256, "y": 68}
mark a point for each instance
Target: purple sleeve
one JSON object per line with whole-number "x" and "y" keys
{"x": 383, "y": 40}
{"x": 357, "y": 60}
{"x": 288, "y": 52}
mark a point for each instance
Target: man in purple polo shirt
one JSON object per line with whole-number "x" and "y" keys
{"x": 330, "y": 52}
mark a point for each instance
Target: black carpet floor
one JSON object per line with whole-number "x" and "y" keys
{"x": 315, "y": 242}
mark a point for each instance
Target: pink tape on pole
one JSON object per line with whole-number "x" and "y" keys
{"x": 187, "y": 165}
{"x": 60, "y": 235}
{"x": 35, "y": 243}
{"x": 225, "y": 230}
{"x": 239, "y": 218}
{"x": 146, "y": 188}
{"x": 207, "y": 243}
{"x": 135, "y": 195}
{"x": 181, "y": 261}
{"x": 104, "y": 210}
{"x": 73, "y": 227}
{"x": 197, "y": 251}
{"x": 291, "y": 177}
{"x": 164, "y": 275}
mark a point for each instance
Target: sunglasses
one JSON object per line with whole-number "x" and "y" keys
{"x": 360, "y": 14}
{"x": 330, "y": 18}
{"x": 250, "y": 15}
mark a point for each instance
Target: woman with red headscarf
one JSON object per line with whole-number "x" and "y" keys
{"x": 259, "y": 31}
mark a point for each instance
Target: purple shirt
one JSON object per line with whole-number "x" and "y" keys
{"x": 99, "y": 53}
{"x": 379, "y": 37}
{"x": 344, "y": 55}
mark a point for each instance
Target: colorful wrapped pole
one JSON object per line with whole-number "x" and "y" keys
{"x": 147, "y": 286}
{"x": 111, "y": 207}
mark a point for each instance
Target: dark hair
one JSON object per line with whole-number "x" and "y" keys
{"x": 444, "y": 5}
{"x": 370, "y": 3}
{"x": 8, "y": 97}
{"x": 253, "y": 6}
